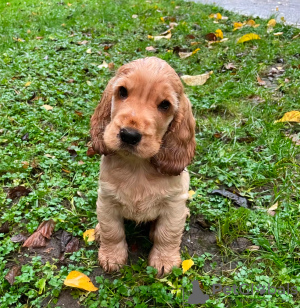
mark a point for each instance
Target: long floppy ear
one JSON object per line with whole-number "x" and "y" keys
{"x": 178, "y": 144}
{"x": 100, "y": 119}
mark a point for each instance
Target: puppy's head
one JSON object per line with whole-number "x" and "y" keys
{"x": 144, "y": 112}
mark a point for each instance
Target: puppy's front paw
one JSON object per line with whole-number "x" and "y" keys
{"x": 113, "y": 257}
{"x": 164, "y": 261}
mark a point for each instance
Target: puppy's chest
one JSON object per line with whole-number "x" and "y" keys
{"x": 138, "y": 197}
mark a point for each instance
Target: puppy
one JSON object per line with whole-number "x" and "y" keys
{"x": 145, "y": 129}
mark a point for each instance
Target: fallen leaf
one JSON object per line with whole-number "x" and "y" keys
{"x": 238, "y": 200}
{"x": 72, "y": 246}
{"x": 47, "y": 107}
{"x": 291, "y": 116}
{"x": 79, "y": 280}
{"x": 237, "y": 25}
{"x": 250, "y": 23}
{"x": 134, "y": 16}
{"x": 216, "y": 16}
{"x": 278, "y": 33}
{"x": 230, "y": 66}
{"x": 25, "y": 164}
{"x": 65, "y": 238}
{"x": 69, "y": 4}
{"x": 271, "y": 23}
{"x": 273, "y": 207}
{"x": 111, "y": 65}
{"x": 35, "y": 240}
{"x": 253, "y": 248}
{"x": 72, "y": 152}
{"x": 27, "y": 84}
{"x": 66, "y": 171}
{"x": 219, "y": 33}
{"x": 103, "y": 65}
{"x": 159, "y": 37}
{"x": 191, "y": 194}
{"x": 46, "y": 228}
{"x": 39, "y": 37}
{"x": 84, "y": 42}
{"x": 260, "y": 81}
{"x": 4, "y": 228}
{"x": 196, "y": 80}
{"x": 151, "y": 49}
{"x": 186, "y": 265}
{"x": 18, "y": 191}
{"x": 81, "y": 162}
{"x": 184, "y": 55}
{"x": 295, "y": 138}
{"x": 89, "y": 235}
{"x": 248, "y": 37}
{"x": 13, "y": 272}
{"x": 70, "y": 81}
{"x": 19, "y": 238}
{"x": 89, "y": 50}
{"x": 211, "y": 37}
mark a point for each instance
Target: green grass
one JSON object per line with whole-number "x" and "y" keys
{"x": 265, "y": 169}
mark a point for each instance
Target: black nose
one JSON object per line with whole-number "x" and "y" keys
{"x": 130, "y": 136}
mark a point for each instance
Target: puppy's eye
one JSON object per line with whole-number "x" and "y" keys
{"x": 164, "y": 105}
{"x": 123, "y": 93}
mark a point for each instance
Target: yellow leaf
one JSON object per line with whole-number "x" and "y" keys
{"x": 89, "y": 235}
{"x": 250, "y": 22}
{"x": 237, "y": 25}
{"x": 89, "y": 50}
{"x": 196, "y": 80}
{"x": 47, "y": 107}
{"x": 219, "y": 33}
{"x": 186, "y": 265}
{"x": 273, "y": 207}
{"x": 28, "y": 31}
{"x": 159, "y": 37}
{"x": 291, "y": 116}
{"x": 69, "y": 4}
{"x": 27, "y": 84}
{"x": 216, "y": 16}
{"x": 162, "y": 19}
{"x": 79, "y": 280}
{"x": 219, "y": 16}
{"x": 271, "y": 23}
{"x": 195, "y": 51}
{"x": 248, "y": 37}
{"x": 191, "y": 194}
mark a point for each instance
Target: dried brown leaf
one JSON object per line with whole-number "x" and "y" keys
{"x": 19, "y": 238}
{"x": 35, "y": 240}
{"x": 46, "y": 228}
{"x": 17, "y": 192}
{"x": 4, "y": 228}
{"x": 72, "y": 246}
{"x": 14, "y": 271}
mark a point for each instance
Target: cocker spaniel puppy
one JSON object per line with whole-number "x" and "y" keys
{"x": 145, "y": 129}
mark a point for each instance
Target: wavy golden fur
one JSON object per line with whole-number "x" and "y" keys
{"x": 145, "y": 129}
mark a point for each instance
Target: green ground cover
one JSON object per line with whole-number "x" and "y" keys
{"x": 239, "y": 147}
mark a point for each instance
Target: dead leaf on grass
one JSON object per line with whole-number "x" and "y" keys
{"x": 72, "y": 246}
{"x": 89, "y": 235}
{"x": 35, "y": 240}
{"x": 13, "y": 272}
{"x": 291, "y": 116}
{"x": 166, "y": 35}
{"x": 47, "y": 107}
{"x": 18, "y": 191}
{"x": 4, "y": 228}
{"x": 19, "y": 238}
{"x": 253, "y": 248}
{"x": 238, "y": 200}
{"x": 79, "y": 280}
{"x": 248, "y": 37}
{"x": 230, "y": 66}
{"x": 196, "y": 80}
{"x": 27, "y": 84}
{"x": 89, "y": 51}
{"x": 103, "y": 65}
{"x": 260, "y": 81}
{"x": 295, "y": 138}
{"x": 84, "y": 42}
{"x": 46, "y": 228}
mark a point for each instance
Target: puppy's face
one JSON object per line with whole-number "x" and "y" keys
{"x": 145, "y": 99}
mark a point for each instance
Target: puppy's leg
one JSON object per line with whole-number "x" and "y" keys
{"x": 167, "y": 235}
{"x": 110, "y": 232}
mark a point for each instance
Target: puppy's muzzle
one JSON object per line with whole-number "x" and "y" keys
{"x": 130, "y": 136}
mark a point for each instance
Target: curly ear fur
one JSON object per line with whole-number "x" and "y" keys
{"x": 178, "y": 144}
{"x": 101, "y": 119}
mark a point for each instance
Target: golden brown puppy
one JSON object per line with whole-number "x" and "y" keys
{"x": 145, "y": 129}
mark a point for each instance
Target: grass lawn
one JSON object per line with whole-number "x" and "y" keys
{"x": 50, "y": 83}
